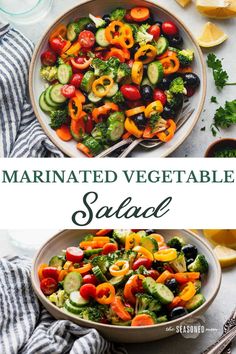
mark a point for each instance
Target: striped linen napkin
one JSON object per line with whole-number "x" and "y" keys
{"x": 27, "y": 329}
{"x": 20, "y": 133}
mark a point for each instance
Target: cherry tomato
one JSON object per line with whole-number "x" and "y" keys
{"x": 101, "y": 54}
{"x": 133, "y": 104}
{"x": 90, "y": 279}
{"x": 76, "y": 79}
{"x": 190, "y": 91}
{"x": 169, "y": 28}
{"x": 128, "y": 17}
{"x": 89, "y": 124}
{"x": 109, "y": 248}
{"x": 153, "y": 274}
{"x": 68, "y": 91}
{"x": 48, "y": 286}
{"x": 74, "y": 254}
{"x": 130, "y": 92}
{"x": 142, "y": 261}
{"x": 87, "y": 291}
{"x": 50, "y": 272}
{"x": 159, "y": 95}
{"x": 48, "y": 58}
{"x": 155, "y": 31}
{"x": 130, "y": 62}
{"x": 57, "y": 44}
{"x": 86, "y": 39}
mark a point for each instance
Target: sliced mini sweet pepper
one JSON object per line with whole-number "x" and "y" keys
{"x": 75, "y": 108}
{"x": 164, "y": 276}
{"x": 134, "y": 284}
{"x": 102, "y": 86}
{"x": 104, "y": 110}
{"x": 166, "y": 255}
{"x": 154, "y": 107}
{"x": 186, "y": 277}
{"x": 188, "y": 292}
{"x": 168, "y": 134}
{"x": 133, "y": 111}
{"x": 84, "y": 269}
{"x": 170, "y": 64}
{"x": 116, "y": 52}
{"x": 143, "y": 252}
{"x": 73, "y": 50}
{"x": 131, "y": 127}
{"x": 84, "y": 149}
{"x": 81, "y": 66}
{"x": 60, "y": 31}
{"x": 145, "y": 54}
{"x": 137, "y": 72}
{"x": 105, "y": 293}
{"x": 120, "y": 267}
{"x": 118, "y": 307}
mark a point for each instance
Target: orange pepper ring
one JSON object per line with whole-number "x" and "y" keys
{"x": 75, "y": 114}
{"x": 109, "y": 106}
{"x": 60, "y": 31}
{"x": 111, "y": 29}
{"x": 148, "y": 50}
{"x": 134, "y": 111}
{"x": 170, "y": 130}
{"x": 188, "y": 291}
{"x": 170, "y": 64}
{"x": 105, "y": 300}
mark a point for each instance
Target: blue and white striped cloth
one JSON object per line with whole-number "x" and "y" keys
{"x": 27, "y": 329}
{"x": 20, "y": 133}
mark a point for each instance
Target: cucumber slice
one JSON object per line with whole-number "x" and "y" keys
{"x": 77, "y": 300}
{"x": 115, "y": 130}
{"x": 99, "y": 274}
{"x": 71, "y": 308}
{"x": 158, "y": 290}
{"x": 88, "y": 253}
{"x": 93, "y": 98}
{"x": 94, "y": 146}
{"x": 161, "y": 45}
{"x": 43, "y": 105}
{"x": 101, "y": 38}
{"x": 146, "y": 82}
{"x": 149, "y": 243}
{"x": 117, "y": 281}
{"x": 57, "y": 261}
{"x": 82, "y": 22}
{"x": 198, "y": 285}
{"x": 162, "y": 319}
{"x": 116, "y": 116}
{"x": 48, "y": 99}
{"x": 64, "y": 73}
{"x": 56, "y": 95}
{"x": 113, "y": 90}
{"x": 72, "y": 31}
{"x": 155, "y": 72}
{"x": 87, "y": 81}
{"x": 195, "y": 302}
{"x": 72, "y": 282}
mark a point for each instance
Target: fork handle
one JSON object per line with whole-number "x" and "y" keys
{"x": 221, "y": 343}
{"x": 131, "y": 147}
{"x": 115, "y": 147}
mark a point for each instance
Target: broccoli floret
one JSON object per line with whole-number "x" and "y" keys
{"x": 102, "y": 262}
{"x": 99, "y": 132}
{"x": 174, "y": 101}
{"x": 58, "y": 298}
{"x": 177, "y": 86}
{"x": 60, "y": 61}
{"x": 146, "y": 302}
{"x": 142, "y": 270}
{"x": 123, "y": 71}
{"x": 185, "y": 57}
{"x": 120, "y": 235}
{"x": 99, "y": 22}
{"x": 118, "y": 98}
{"x": 117, "y": 14}
{"x": 88, "y": 237}
{"x": 142, "y": 36}
{"x": 48, "y": 73}
{"x": 100, "y": 67}
{"x": 200, "y": 264}
{"x": 157, "y": 123}
{"x": 58, "y": 118}
{"x": 134, "y": 28}
{"x": 91, "y": 314}
{"x": 179, "y": 264}
{"x": 113, "y": 64}
{"x": 176, "y": 242}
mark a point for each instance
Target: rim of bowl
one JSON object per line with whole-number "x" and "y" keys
{"x": 159, "y": 325}
{"x": 66, "y": 150}
{"x": 216, "y": 142}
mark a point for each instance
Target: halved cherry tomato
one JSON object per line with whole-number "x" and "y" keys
{"x": 86, "y": 39}
{"x": 48, "y": 286}
{"x": 155, "y": 31}
{"x": 90, "y": 279}
{"x": 169, "y": 28}
{"x": 159, "y": 95}
{"x": 74, "y": 254}
{"x": 68, "y": 91}
{"x": 130, "y": 92}
{"x": 50, "y": 272}
{"x": 80, "y": 63}
{"x": 109, "y": 248}
{"x": 140, "y": 14}
{"x": 48, "y": 58}
{"x": 76, "y": 79}
{"x": 142, "y": 261}
{"x": 87, "y": 291}
{"x": 57, "y": 44}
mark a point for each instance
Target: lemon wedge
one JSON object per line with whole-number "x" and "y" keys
{"x": 211, "y": 36}
{"x": 225, "y": 255}
{"x": 221, "y": 237}
{"x": 183, "y": 3}
{"x": 220, "y": 9}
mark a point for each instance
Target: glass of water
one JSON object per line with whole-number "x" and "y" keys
{"x": 26, "y": 11}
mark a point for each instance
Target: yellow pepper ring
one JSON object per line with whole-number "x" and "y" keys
{"x": 166, "y": 255}
{"x": 145, "y": 54}
{"x": 144, "y": 252}
{"x": 137, "y": 72}
{"x": 126, "y": 38}
{"x": 101, "y": 82}
{"x": 154, "y": 107}
{"x": 119, "y": 268}
{"x": 134, "y": 111}
{"x": 131, "y": 241}
{"x": 188, "y": 292}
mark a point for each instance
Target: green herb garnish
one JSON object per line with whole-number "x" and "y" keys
{"x": 226, "y": 153}
{"x": 219, "y": 74}
{"x": 224, "y": 116}
{"x": 213, "y": 99}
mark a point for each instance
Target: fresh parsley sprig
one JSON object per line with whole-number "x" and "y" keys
{"x": 219, "y": 74}
{"x": 224, "y": 117}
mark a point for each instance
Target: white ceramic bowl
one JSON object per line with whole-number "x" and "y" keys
{"x": 100, "y": 7}
{"x": 68, "y": 238}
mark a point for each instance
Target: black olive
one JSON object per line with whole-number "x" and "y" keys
{"x": 150, "y": 21}
{"x": 134, "y": 49}
{"x": 168, "y": 112}
{"x": 140, "y": 121}
{"x": 150, "y": 231}
{"x": 91, "y": 27}
{"x": 189, "y": 261}
{"x": 176, "y": 41}
{"x": 189, "y": 251}
{"x": 146, "y": 92}
{"x": 178, "y": 312}
{"x": 164, "y": 84}
{"x": 107, "y": 19}
{"x": 191, "y": 80}
{"x": 172, "y": 284}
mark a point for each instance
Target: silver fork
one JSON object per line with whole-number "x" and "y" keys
{"x": 135, "y": 141}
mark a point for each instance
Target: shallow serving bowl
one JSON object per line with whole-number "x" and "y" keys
{"x": 67, "y": 238}
{"x": 100, "y": 7}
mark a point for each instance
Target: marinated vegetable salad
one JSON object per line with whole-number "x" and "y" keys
{"x": 110, "y": 78}
{"x": 126, "y": 278}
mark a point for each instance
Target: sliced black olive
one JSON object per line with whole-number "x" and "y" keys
{"x": 190, "y": 251}
{"x": 176, "y": 41}
{"x": 91, "y": 27}
{"x": 191, "y": 80}
{"x": 164, "y": 84}
{"x": 146, "y": 92}
{"x": 178, "y": 312}
{"x": 172, "y": 284}
{"x": 107, "y": 19}
{"x": 140, "y": 121}
{"x": 150, "y": 231}
{"x": 168, "y": 112}
{"x": 189, "y": 261}
{"x": 135, "y": 48}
